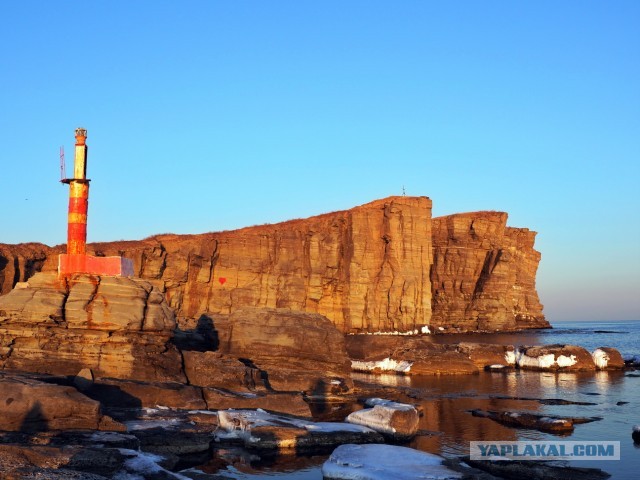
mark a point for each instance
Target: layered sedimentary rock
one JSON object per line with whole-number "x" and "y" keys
{"x": 118, "y": 327}
{"x": 20, "y": 262}
{"x": 483, "y": 274}
{"x": 366, "y": 269}
{"x": 383, "y": 266}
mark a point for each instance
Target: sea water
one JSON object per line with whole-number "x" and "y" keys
{"x": 447, "y": 400}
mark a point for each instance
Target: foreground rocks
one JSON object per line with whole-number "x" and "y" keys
{"x": 28, "y": 405}
{"x": 535, "y": 470}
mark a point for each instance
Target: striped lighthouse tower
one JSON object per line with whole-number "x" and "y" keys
{"x": 78, "y": 198}
{"x": 76, "y": 259}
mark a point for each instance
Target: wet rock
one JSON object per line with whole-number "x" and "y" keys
{"x": 543, "y": 423}
{"x": 263, "y": 431}
{"x": 28, "y": 405}
{"x": 554, "y": 358}
{"x": 398, "y": 421}
{"x": 101, "y": 461}
{"x": 635, "y": 433}
{"x": 607, "y": 358}
{"x": 374, "y": 462}
{"x": 175, "y": 441}
{"x": 543, "y": 401}
{"x": 536, "y": 470}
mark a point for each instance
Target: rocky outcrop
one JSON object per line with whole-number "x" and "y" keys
{"x": 382, "y": 266}
{"x": 118, "y": 327}
{"x": 483, "y": 274}
{"x": 408, "y": 356}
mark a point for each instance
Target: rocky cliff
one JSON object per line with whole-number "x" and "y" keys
{"x": 483, "y": 274}
{"x": 371, "y": 268}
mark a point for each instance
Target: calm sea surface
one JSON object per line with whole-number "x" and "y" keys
{"x": 446, "y": 401}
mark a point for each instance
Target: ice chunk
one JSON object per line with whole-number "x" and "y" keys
{"x": 386, "y": 365}
{"x": 384, "y": 462}
{"x": 600, "y": 358}
{"x": 395, "y": 419}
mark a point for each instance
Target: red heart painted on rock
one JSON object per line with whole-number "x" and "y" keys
{"x": 222, "y": 280}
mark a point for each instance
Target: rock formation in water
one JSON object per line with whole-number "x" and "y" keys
{"x": 383, "y": 266}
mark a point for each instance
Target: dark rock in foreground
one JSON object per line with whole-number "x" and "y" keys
{"x": 543, "y": 423}
{"x": 536, "y": 470}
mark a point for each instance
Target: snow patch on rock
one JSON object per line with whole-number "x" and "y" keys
{"x": 543, "y": 361}
{"x": 384, "y": 462}
{"x": 600, "y": 358}
{"x": 386, "y": 365}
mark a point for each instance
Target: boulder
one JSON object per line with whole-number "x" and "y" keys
{"x": 295, "y": 351}
{"x": 376, "y": 462}
{"x": 635, "y": 433}
{"x": 214, "y": 369}
{"x": 566, "y": 358}
{"x": 396, "y": 420}
{"x": 607, "y": 358}
{"x": 29, "y": 405}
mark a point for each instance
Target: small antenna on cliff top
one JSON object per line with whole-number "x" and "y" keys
{"x": 404, "y": 194}
{"x": 63, "y": 173}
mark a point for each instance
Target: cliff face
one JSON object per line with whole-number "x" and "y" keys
{"x": 20, "y": 262}
{"x": 483, "y": 274}
{"x": 370, "y": 268}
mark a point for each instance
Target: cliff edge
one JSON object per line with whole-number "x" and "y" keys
{"x": 383, "y": 266}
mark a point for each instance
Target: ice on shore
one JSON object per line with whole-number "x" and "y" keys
{"x": 386, "y": 365}
{"x": 384, "y": 462}
{"x": 543, "y": 361}
{"x": 387, "y": 417}
{"x": 140, "y": 465}
{"x": 600, "y": 358}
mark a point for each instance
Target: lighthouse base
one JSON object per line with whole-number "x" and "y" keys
{"x": 114, "y": 266}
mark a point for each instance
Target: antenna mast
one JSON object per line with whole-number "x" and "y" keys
{"x": 63, "y": 173}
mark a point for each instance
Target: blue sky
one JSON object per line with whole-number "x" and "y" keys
{"x": 205, "y": 116}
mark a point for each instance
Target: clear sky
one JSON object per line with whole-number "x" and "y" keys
{"x": 207, "y": 115}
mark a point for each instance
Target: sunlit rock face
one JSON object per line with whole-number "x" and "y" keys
{"x": 385, "y": 266}
{"x": 483, "y": 274}
{"x": 118, "y": 327}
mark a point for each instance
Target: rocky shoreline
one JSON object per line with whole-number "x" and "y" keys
{"x": 98, "y": 381}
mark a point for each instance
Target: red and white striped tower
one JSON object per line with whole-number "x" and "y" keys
{"x": 76, "y": 259}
